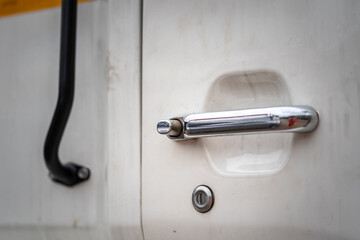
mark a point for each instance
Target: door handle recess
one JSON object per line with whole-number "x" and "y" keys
{"x": 70, "y": 173}
{"x": 246, "y": 121}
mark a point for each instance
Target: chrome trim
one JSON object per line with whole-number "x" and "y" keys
{"x": 246, "y": 121}
{"x": 202, "y": 198}
{"x": 170, "y": 127}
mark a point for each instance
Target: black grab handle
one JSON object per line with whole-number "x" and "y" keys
{"x": 70, "y": 173}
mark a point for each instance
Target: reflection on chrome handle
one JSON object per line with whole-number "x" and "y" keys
{"x": 246, "y": 121}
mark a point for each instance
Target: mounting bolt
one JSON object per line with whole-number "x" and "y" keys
{"x": 170, "y": 127}
{"x": 83, "y": 173}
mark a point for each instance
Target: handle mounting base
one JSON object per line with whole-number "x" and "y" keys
{"x": 76, "y": 174}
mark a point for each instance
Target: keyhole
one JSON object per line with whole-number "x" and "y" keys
{"x": 201, "y": 198}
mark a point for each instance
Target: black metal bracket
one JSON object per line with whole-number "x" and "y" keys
{"x": 70, "y": 173}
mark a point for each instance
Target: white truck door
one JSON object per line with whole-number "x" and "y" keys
{"x": 204, "y": 56}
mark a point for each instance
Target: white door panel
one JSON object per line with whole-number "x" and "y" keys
{"x": 201, "y": 56}
{"x": 107, "y": 79}
{"x": 30, "y": 202}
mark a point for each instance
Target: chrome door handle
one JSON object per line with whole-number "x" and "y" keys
{"x": 246, "y": 121}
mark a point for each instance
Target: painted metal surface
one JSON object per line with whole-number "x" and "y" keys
{"x": 247, "y": 54}
{"x": 124, "y": 89}
{"x": 30, "y": 204}
{"x": 108, "y": 77}
{"x": 236, "y": 54}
